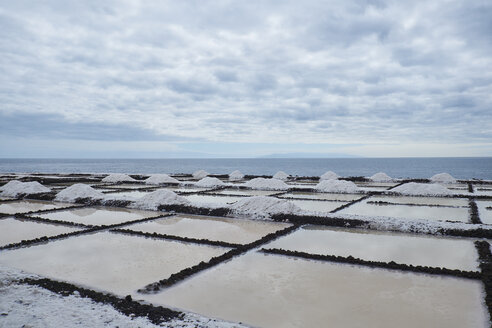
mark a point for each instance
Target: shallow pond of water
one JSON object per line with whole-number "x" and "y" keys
{"x": 204, "y": 200}
{"x": 240, "y": 231}
{"x": 485, "y": 210}
{"x": 451, "y": 253}
{"x": 246, "y": 192}
{"x": 108, "y": 261}
{"x": 316, "y": 205}
{"x": 445, "y": 201}
{"x": 24, "y": 206}
{"x": 278, "y": 291}
{"x": 323, "y": 196}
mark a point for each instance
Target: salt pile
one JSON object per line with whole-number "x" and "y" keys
{"x": 443, "y": 178}
{"x": 262, "y": 206}
{"x": 152, "y": 200}
{"x": 333, "y": 185}
{"x": 157, "y": 179}
{"x": 380, "y": 177}
{"x": 200, "y": 174}
{"x": 281, "y": 175}
{"x": 209, "y": 182}
{"x": 118, "y": 177}
{"x": 266, "y": 184}
{"x": 15, "y": 188}
{"x": 413, "y": 188}
{"x": 76, "y": 191}
{"x": 330, "y": 175}
{"x": 236, "y": 175}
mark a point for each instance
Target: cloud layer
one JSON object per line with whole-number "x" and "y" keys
{"x": 316, "y": 72}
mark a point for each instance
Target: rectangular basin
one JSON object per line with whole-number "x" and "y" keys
{"x": 24, "y": 206}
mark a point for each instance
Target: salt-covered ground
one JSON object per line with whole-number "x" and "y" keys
{"x": 170, "y": 240}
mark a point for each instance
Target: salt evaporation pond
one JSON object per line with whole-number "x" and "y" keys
{"x": 99, "y": 215}
{"x": 212, "y": 228}
{"x": 408, "y": 211}
{"x": 14, "y": 230}
{"x": 416, "y": 200}
{"x": 201, "y": 200}
{"x": 279, "y": 291}
{"x": 484, "y": 213}
{"x": 316, "y": 205}
{"x": 322, "y": 196}
{"x": 185, "y": 189}
{"x": 24, "y": 206}
{"x": 127, "y": 186}
{"x": 450, "y": 253}
{"x": 112, "y": 262}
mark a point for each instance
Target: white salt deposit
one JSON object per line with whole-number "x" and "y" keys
{"x": 333, "y": 185}
{"x": 380, "y": 177}
{"x": 330, "y": 175}
{"x": 200, "y": 174}
{"x": 443, "y": 178}
{"x": 281, "y": 175}
{"x": 209, "y": 182}
{"x": 157, "y": 179}
{"x": 118, "y": 177}
{"x": 236, "y": 175}
{"x": 152, "y": 200}
{"x": 413, "y": 188}
{"x": 14, "y": 188}
{"x": 263, "y": 206}
{"x": 266, "y": 184}
{"x": 78, "y": 190}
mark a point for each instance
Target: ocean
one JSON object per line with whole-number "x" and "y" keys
{"x": 459, "y": 167}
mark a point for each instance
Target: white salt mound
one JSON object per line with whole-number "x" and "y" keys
{"x": 118, "y": 177}
{"x": 14, "y": 188}
{"x": 266, "y": 184}
{"x": 78, "y": 190}
{"x": 443, "y": 178}
{"x": 413, "y": 188}
{"x": 152, "y": 200}
{"x": 380, "y": 177}
{"x": 208, "y": 182}
{"x": 330, "y": 175}
{"x": 281, "y": 175}
{"x": 200, "y": 174}
{"x": 157, "y": 179}
{"x": 336, "y": 186}
{"x": 236, "y": 175}
{"x": 262, "y": 206}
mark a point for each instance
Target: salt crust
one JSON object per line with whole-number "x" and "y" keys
{"x": 443, "y": 178}
{"x": 157, "y": 179}
{"x": 14, "y": 188}
{"x": 236, "y": 175}
{"x": 263, "y": 207}
{"x": 78, "y": 190}
{"x": 200, "y": 174}
{"x": 330, "y": 175}
{"x": 429, "y": 189}
{"x": 266, "y": 184}
{"x": 380, "y": 177}
{"x": 281, "y": 175}
{"x": 33, "y": 306}
{"x": 208, "y": 182}
{"x": 118, "y": 177}
{"x": 333, "y": 185}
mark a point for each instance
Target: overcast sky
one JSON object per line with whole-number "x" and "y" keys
{"x": 245, "y": 78}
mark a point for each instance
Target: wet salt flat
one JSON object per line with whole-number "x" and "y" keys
{"x": 316, "y": 205}
{"x": 246, "y": 192}
{"x": 127, "y": 186}
{"x": 108, "y": 261}
{"x": 484, "y": 213}
{"x": 99, "y": 215}
{"x": 203, "y": 200}
{"x": 14, "y": 230}
{"x": 278, "y": 291}
{"x": 212, "y": 228}
{"x": 444, "y": 201}
{"x": 184, "y": 189}
{"x": 128, "y": 194}
{"x": 408, "y": 212}
{"x": 322, "y": 196}
{"x": 451, "y": 253}
{"x": 24, "y": 206}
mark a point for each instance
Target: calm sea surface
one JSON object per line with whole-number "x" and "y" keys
{"x": 462, "y": 168}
